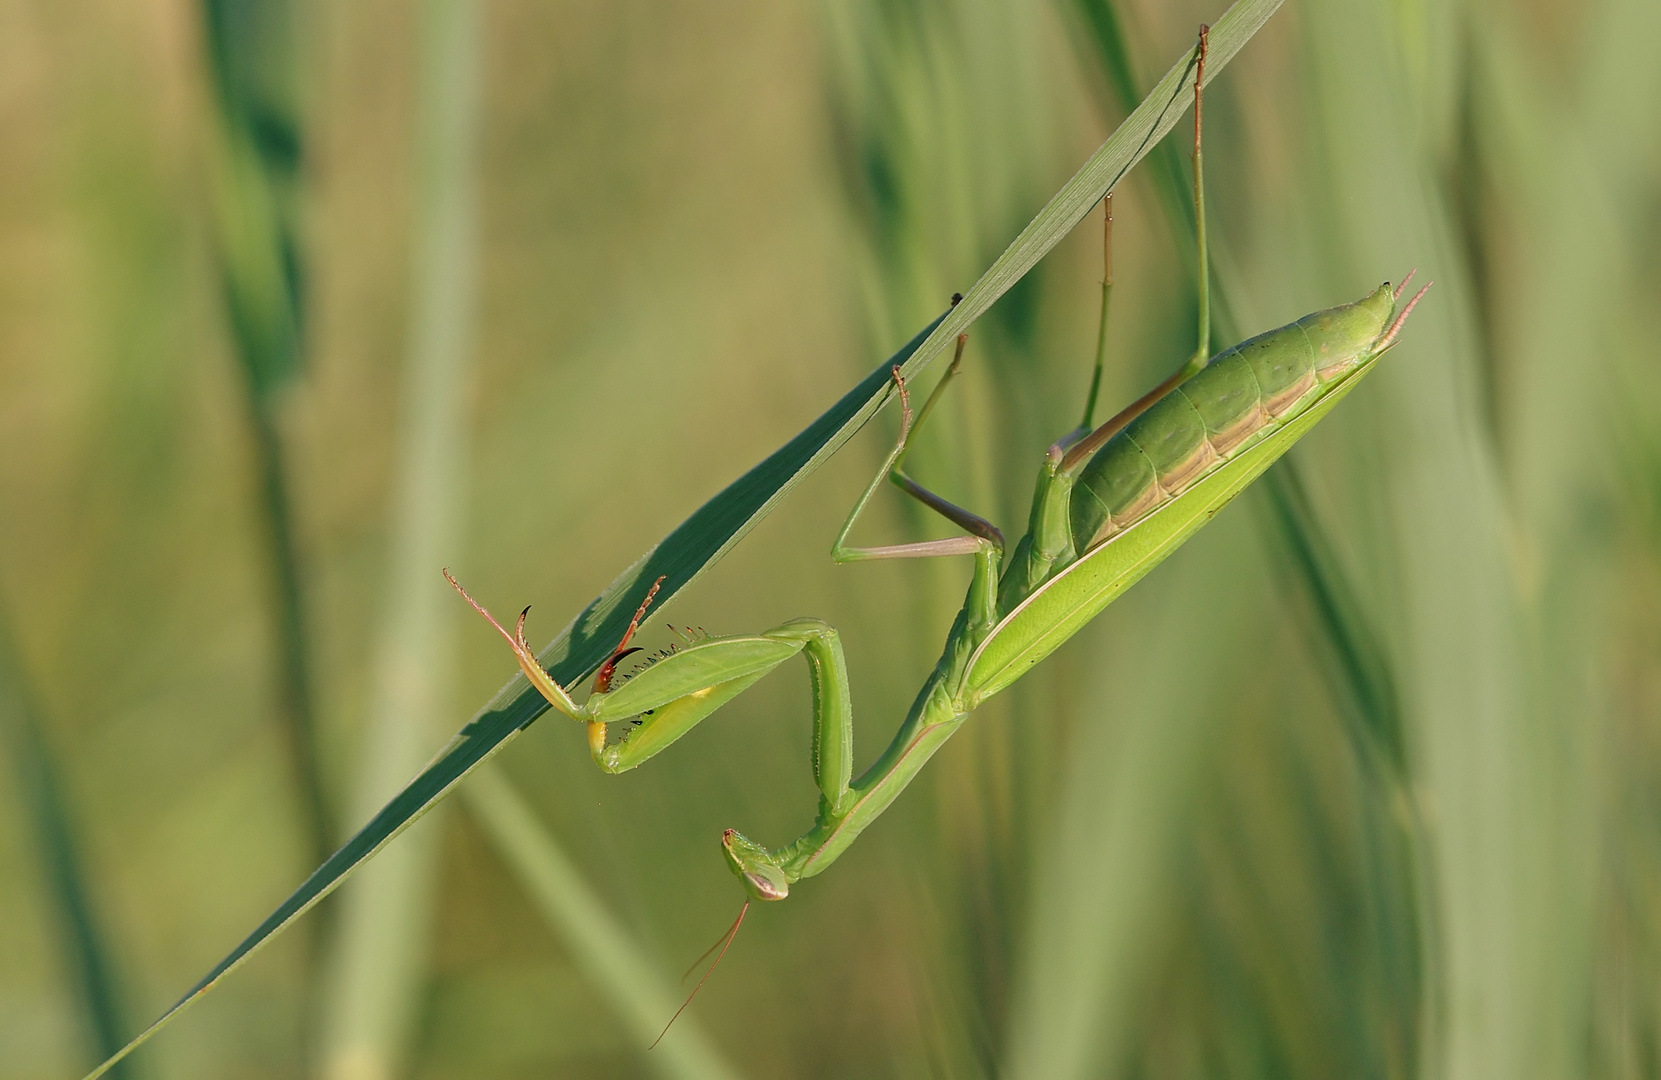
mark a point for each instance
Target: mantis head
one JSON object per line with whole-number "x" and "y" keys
{"x": 762, "y": 877}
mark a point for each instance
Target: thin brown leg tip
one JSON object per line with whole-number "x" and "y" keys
{"x": 905, "y": 401}
{"x": 500, "y": 629}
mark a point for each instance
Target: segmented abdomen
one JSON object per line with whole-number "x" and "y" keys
{"x": 1249, "y": 389}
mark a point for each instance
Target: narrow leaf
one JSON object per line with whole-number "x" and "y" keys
{"x": 637, "y": 991}
{"x": 88, "y": 960}
{"x": 379, "y": 967}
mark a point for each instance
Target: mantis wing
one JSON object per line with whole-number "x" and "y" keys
{"x": 1061, "y": 606}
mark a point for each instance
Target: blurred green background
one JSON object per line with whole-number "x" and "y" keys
{"x": 301, "y": 302}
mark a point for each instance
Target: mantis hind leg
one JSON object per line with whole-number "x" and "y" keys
{"x": 1079, "y": 446}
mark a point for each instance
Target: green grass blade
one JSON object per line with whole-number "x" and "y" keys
{"x": 1459, "y": 622}
{"x": 1136, "y": 137}
{"x": 1108, "y": 874}
{"x": 255, "y": 180}
{"x": 1341, "y": 630}
{"x": 86, "y": 953}
{"x": 715, "y": 527}
{"x": 379, "y": 964}
{"x": 1346, "y": 638}
{"x": 1568, "y": 323}
{"x": 947, "y": 131}
{"x": 1352, "y": 645}
{"x": 642, "y": 997}
{"x": 684, "y": 554}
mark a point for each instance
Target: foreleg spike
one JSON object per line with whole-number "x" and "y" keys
{"x": 602, "y": 678}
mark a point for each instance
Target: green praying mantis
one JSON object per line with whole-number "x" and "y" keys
{"x": 1111, "y": 502}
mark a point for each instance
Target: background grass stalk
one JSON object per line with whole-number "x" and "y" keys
{"x": 385, "y": 918}
{"x": 1458, "y": 614}
{"x": 1109, "y": 867}
{"x": 950, "y": 134}
{"x": 1574, "y": 310}
{"x": 255, "y": 179}
{"x": 635, "y": 989}
{"x": 89, "y": 965}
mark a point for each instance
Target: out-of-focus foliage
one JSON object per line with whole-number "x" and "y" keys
{"x": 1187, "y": 846}
{"x": 253, "y": 148}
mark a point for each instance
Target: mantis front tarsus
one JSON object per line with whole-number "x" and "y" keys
{"x": 1111, "y": 502}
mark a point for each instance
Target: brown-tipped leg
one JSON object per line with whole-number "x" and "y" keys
{"x": 905, "y": 406}
{"x": 1199, "y": 76}
{"x": 545, "y": 685}
{"x": 1202, "y": 350}
{"x": 456, "y": 585}
{"x": 966, "y": 520}
{"x": 1089, "y": 421}
{"x": 516, "y": 639}
{"x": 909, "y": 426}
{"x": 603, "y": 677}
{"x": 984, "y": 532}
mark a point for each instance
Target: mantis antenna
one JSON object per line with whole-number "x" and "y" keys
{"x": 723, "y": 944}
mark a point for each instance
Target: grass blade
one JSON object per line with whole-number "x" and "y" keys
{"x": 715, "y": 527}
{"x": 385, "y": 917}
{"x": 1136, "y": 137}
{"x": 256, "y": 174}
{"x": 1356, "y": 649}
{"x": 946, "y": 133}
{"x": 1344, "y": 634}
{"x": 1106, "y": 877}
{"x": 640, "y": 995}
{"x": 1456, "y": 605}
{"x": 86, "y": 953}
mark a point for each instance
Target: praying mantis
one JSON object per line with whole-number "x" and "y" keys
{"x": 1110, "y": 503}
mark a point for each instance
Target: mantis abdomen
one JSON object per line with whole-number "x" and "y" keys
{"x": 1243, "y": 394}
